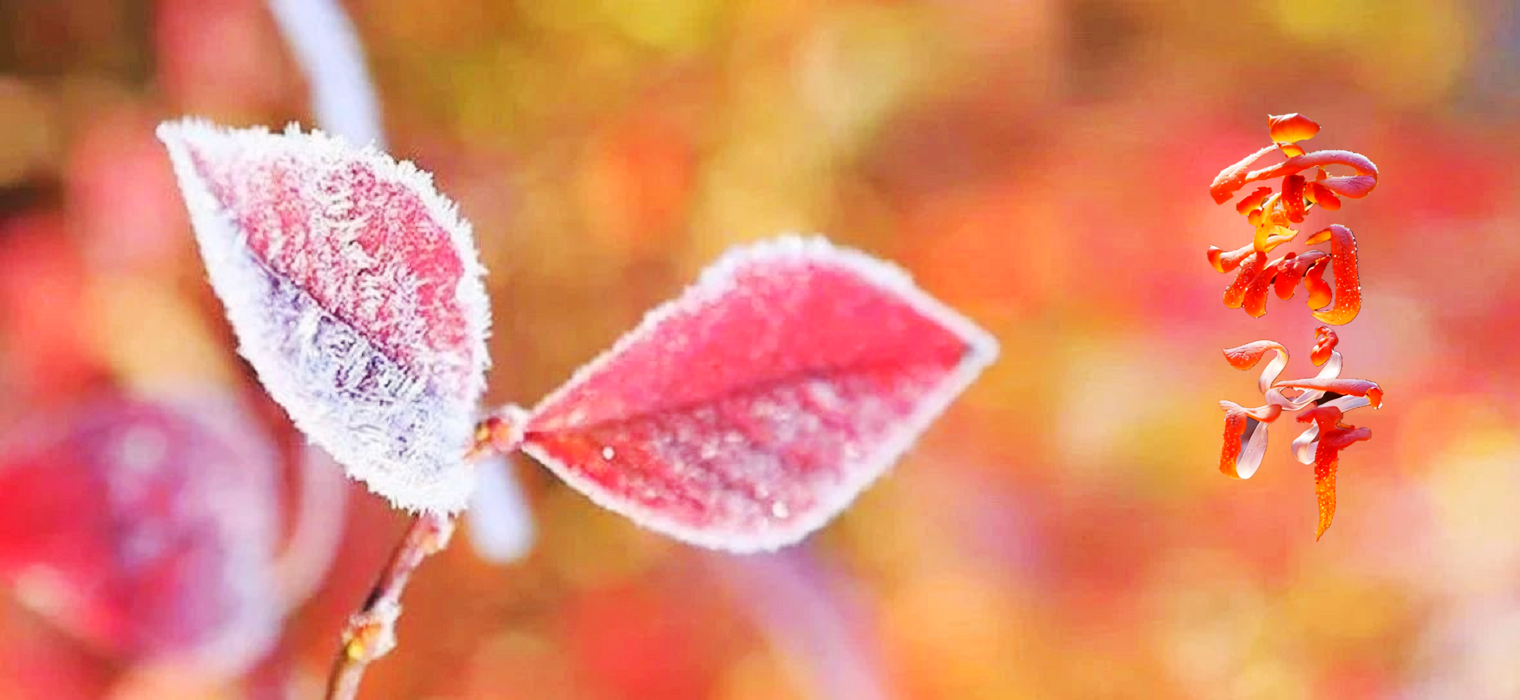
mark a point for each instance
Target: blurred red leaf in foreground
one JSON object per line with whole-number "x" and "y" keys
{"x": 146, "y": 530}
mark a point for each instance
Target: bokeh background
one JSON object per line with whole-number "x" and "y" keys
{"x": 1062, "y": 532}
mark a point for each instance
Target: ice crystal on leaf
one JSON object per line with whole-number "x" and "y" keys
{"x": 750, "y": 410}
{"x": 355, "y": 293}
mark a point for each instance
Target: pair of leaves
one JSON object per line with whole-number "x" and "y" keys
{"x": 741, "y": 416}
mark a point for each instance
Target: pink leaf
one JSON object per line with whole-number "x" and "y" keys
{"x": 355, "y": 292}
{"x": 748, "y": 412}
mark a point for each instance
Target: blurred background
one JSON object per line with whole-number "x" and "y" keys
{"x": 1063, "y": 532}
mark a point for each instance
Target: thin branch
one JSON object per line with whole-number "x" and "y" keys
{"x": 323, "y": 41}
{"x": 371, "y": 632}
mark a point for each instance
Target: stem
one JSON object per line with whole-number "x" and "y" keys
{"x": 371, "y": 632}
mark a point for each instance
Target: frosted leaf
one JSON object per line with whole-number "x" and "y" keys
{"x": 500, "y": 524}
{"x": 147, "y": 529}
{"x": 751, "y": 410}
{"x": 355, "y": 293}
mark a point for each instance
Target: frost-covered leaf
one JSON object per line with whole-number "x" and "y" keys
{"x": 146, "y": 529}
{"x": 355, "y": 293}
{"x": 749, "y": 411}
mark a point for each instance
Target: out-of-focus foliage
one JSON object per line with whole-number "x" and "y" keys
{"x": 1042, "y": 166}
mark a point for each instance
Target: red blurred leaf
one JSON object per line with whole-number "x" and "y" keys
{"x": 752, "y": 409}
{"x": 147, "y": 530}
{"x": 355, "y": 293}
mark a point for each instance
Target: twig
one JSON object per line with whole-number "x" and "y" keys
{"x": 371, "y": 632}
{"x": 326, "y": 47}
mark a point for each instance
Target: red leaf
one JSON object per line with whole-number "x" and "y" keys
{"x": 1246, "y": 356}
{"x": 1293, "y": 269}
{"x": 147, "y": 530}
{"x": 1320, "y": 293}
{"x": 1253, "y": 200}
{"x": 1235, "y": 294}
{"x": 1242, "y": 453}
{"x": 1234, "y": 177}
{"x": 1348, "y": 286}
{"x": 1255, "y": 299}
{"x": 1333, "y": 437}
{"x": 746, "y": 413}
{"x": 1320, "y": 159}
{"x": 1288, "y": 129}
{"x": 355, "y": 293}
{"x": 1225, "y": 261}
{"x": 1325, "y": 341}
{"x": 1293, "y": 197}
{"x": 1349, "y": 387}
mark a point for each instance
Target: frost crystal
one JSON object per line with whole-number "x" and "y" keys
{"x": 355, "y": 293}
{"x": 749, "y": 411}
